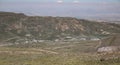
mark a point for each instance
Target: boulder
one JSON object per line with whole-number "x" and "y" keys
{"x": 109, "y": 49}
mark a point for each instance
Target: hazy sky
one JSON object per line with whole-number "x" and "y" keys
{"x": 74, "y": 8}
{"x": 60, "y": 0}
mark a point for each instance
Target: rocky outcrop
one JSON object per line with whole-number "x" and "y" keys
{"x": 109, "y": 49}
{"x": 111, "y": 44}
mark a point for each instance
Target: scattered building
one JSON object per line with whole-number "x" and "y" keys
{"x": 41, "y": 40}
{"x": 28, "y": 35}
{"x": 34, "y": 40}
{"x": 95, "y": 39}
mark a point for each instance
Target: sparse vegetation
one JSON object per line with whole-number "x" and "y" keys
{"x": 55, "y": 53}
{"x": 50, "y": 28}
{"x": 37, "y": 40}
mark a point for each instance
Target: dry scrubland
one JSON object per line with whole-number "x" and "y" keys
{"x": 18, "y": 28}
{"x": 56, "y": 53}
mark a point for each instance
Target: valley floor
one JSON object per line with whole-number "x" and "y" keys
{"x": 55, "y": 53}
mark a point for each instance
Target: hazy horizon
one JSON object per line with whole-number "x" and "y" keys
{"x": 98, "y": 9}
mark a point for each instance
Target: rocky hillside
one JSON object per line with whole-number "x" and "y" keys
{"x": 111, "y": 40}
{"x": 18, "y": 25}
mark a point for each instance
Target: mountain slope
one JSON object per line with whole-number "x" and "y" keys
{"x": 49, "y": 28}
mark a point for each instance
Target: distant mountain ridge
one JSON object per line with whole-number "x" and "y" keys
{"x": 50, "y": 28}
